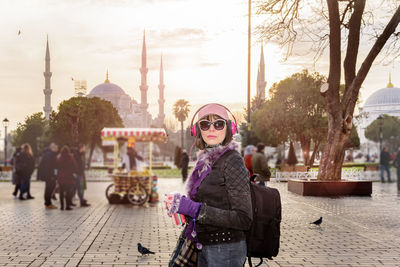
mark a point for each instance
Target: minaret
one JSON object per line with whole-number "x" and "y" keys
{"x": 47, "y": 91}
{"x": 161, "y": 100}
{"x": 143, "y": 84}
{"x": 261, "y": 83}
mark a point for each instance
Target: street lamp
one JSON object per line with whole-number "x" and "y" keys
{"x": 380, "y": 123}
{"x": 6, "y": 122}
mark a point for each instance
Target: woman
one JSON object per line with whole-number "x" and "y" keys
{"x": 67, "y": 168}
{"x": 248, "y": 153}
{"x": 24, "y": 166}
{"x": 218, "y": 205}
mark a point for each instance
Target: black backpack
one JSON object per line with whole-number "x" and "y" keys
{"x": 263, "y": 236}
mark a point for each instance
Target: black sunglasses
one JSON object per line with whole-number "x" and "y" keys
{"x": 218, "y": 125}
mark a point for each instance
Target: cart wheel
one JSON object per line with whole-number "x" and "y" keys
{"x": 109, "y": 191}
{"x": 137, "y": 194}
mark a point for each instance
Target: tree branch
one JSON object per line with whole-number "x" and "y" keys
{"x": 351, "y": 97}
{"x": 332, "y": 96}
{"x": 353, "y": 43}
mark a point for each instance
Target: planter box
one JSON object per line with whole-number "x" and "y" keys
{"x": 330, "y": 188}
{"x": 294, "y": 168}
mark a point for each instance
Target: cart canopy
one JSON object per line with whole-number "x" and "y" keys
{"x": 140, "y": 134}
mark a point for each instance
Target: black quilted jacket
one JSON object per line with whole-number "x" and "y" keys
{"x": 225, "y": 194}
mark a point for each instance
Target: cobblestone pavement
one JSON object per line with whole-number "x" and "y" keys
{"x": 356, "y": 231}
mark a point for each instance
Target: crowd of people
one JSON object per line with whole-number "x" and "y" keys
{"x": 62, "y": 172}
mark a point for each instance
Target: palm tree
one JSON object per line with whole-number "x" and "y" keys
{"x": 181, "y": 112}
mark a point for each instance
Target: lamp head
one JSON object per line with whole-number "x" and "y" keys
{"x": 6, "y": 122}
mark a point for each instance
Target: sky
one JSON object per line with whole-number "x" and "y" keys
{"x": 203, "y": 45}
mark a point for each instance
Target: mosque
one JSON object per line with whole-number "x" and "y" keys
{"x": 132, "y": 113}
{"x": 383, "y": 101}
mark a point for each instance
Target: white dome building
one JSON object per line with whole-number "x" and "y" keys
{"x": 128, "y": 108}
{"x": 113, "y": 93}
{"x": 131, "y": 112}
{"x": 383, "y": 101}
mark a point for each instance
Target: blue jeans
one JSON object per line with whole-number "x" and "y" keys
{"x": 227, "y": 254}
{"x": 383, "y": 169}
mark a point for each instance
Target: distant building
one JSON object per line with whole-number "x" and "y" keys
{"x": 80, "y": 87}
{"x": 383, "y": 101}
{"x": 261, "y": 83}
{"x": 47, "y": 88}
{"x": 133, "y": 114}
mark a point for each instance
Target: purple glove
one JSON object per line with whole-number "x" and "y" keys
{"x": 189, "y": 207}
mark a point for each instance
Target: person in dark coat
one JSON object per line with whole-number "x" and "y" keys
{"x": 260, "y": 164}
{"x": 79, "y": 156}
{"x": 16, "y": 180}
{"x": 24, "y": 167}
{"x": 385, "y": 164}
{"x": 66, "y": 172}
{"x": 184, "y": 164}
{"x": 396, "y": 163}
{"x": 47, "y": 173}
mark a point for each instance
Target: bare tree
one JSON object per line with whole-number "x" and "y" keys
{"x": 336, "y": 23}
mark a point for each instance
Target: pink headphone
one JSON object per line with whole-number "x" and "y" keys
{"x": 233, "y": 125}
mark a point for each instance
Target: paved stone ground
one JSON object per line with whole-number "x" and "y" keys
{"x": 356, "y": 231}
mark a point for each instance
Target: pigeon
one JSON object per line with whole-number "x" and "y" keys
{"x": 317, "y": 222}
{"x": 142, "y": 250}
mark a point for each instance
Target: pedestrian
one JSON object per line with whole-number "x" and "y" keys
{"x": 80, "y": 183}
{"x": 47, "y": 173}
{"x": 248, "y": 154}
{"x": 385, "y": 164}
{"x": 184, "y": 164}
{"x": 396, "y": 163}
{"x": 24, "y": 167}
{"x": 15, "y": 179}
{"x": 130, "y": 160}
{"x": 66, "y": 176}
{"x": 218, "y": 202}
{"x": 260, "y": 165}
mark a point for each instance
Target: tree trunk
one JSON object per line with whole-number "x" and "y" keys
{"x": 305, "y": 147}
{"x": 92, "y": 146}
{"x": 330, "y": 167}
{"x": 182, "y": 134}
{"x": 314, "y": 153}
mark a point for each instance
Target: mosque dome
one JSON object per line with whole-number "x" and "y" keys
{"x": 107, "y": 88}
{"x": 385, "y": 96}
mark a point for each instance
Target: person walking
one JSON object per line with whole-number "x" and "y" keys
{"x": 66, "y": 172}
{"x": 184, "y": 164}
{"x": 24, "y": 167}
{"x": 79, "y": 156}
{"x": 47, "y": 173}
{"x": 218, "y": 202}
{"x": 15, "y": 179}
{"x": 260, "y": 165}
{"x": 385, "y": 164}
{"x": 396, "y": 163}
{"x": 248, "y": 155}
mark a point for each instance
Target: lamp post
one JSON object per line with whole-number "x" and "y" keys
{"x": 380, "y": 123}
{"x": 6, "y": 122}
